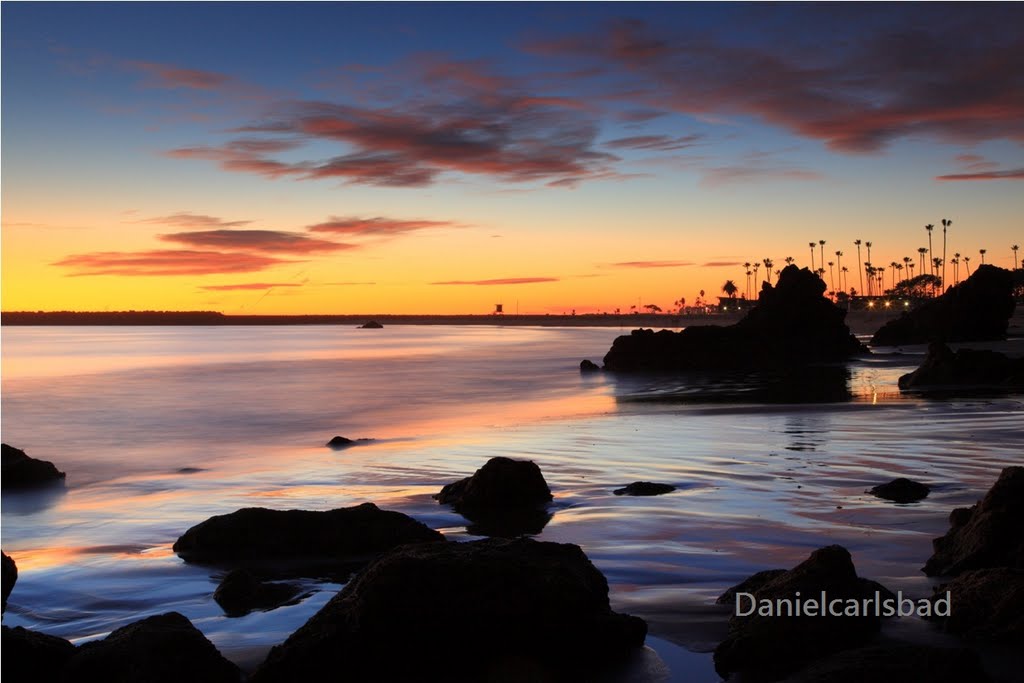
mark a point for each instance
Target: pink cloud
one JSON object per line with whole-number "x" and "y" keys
{"x": 165, "y": 262}
{"x": 500, "y": 281}
{"x": 274, "y": 241}
{"x": 375, "y": 226}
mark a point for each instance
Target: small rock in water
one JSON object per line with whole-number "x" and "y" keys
{"x": 340, "y": 442}
{"x": 644, "y": 488}
{"x": 240, "y": 593}
{"x": 588, "y": 366}
{"x": 505, "y": 497}
{"x": 902, "y": 490}
{"x": 10, "y": 577}
{"x": 372, "y": 325}
{"x": 23, "y": 472}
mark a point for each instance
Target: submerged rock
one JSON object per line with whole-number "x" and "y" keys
{"x": 33, "y": 656}
{"x": 19, "y": 471}
{"x": 775, "y": 645}
{"x": 164, "y": 648}
{"x": 511, "y": 609}
{"x": 943, "y": 370}
{"x": 505, "y": 497}
{"x": 977, "y": 309}
{"x": 300, "y": 536}
{"x": 371, "y": 325}
{"x": 895, "y": 662}
{"x": 340, "y": 442}
{"x": 902, "y": 490}
{"x": 988, "y": 534}
{"x": 588, "y": 366}
{"x": 240, "y": 592}
{"x": 988, "y": 605}
{"x": 792, "y": 325}
{"x": 644, "y": 488}
{"x": 8, "y": 577}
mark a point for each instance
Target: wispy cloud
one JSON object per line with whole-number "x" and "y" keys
{"x": 375, "y": 227}
{"x": 249, "y": 286}
{"x": 660, "y": 143}
{"x": 191, "y": 220}
{"x": 500, "y": 281}
{"x": 273, "y": 241}
{"x": 170, "y": 76}
{"x": 165, "y": 262}
{"x": 652, "y": 264}
{"x": 726, "y": 175}
{"x": 717, "y": 264}
{"x": 1009, "y": 174}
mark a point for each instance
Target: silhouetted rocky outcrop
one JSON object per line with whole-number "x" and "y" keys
{"x": 977, "y": 309}
{"x": 966, "y": 369}
{"x": 493, "y": 609}
{"x": 33, "y": 656}
{"x": 792, "y": 325}
{"x": 371, "y": 325}
{"x": 240, "y": 592}
{"x": 22, "y": 472}
{"x": 776, "y": 645}
{"x": 164, "y": 648}
{"x": 644, "y": 488}
{"x": 300, "y": 538}
{"x": 341, "y": 442}
{"x": 588, "y": 366}
{"x": 8, "y": 577}
{"x": 988, "y": 605}
{"x": 986, "y": 535}
{"x": 895, "y": 662}
{"x": 505, "y": 497}
{"x": 902, "y": 490}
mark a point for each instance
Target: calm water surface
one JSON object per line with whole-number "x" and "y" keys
{"x": 159, "y": 428}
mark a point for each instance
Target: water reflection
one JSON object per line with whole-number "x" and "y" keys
{"x": 31, "y": 502}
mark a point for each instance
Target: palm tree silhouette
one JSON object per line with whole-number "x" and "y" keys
{"x": 921, "y": 251}
{"x": 910, "y": 268}
{"x": 982, "y": 252}
{"x": 893, "y": 266}
{"x": 832, "y": 275}
{"x": 843, "y": 278}
{"x": 929, "y": 228}
{"x": 956, "y": 268}
{"x": 859, "y": 274}
{"x": 822, "y": 243}
{"x": 868, "y": 245}
{"x": 746, "y": 266}
{"x": 1014, "y": 249}
{"x": 768, "y": 263}
{"x": 811, "y": 245}
{"x": 869, "y": 271}
{"x": 936, "y": 284}
{"x": 730, "y": 289}
{"x": 967, "y": 265}
{"x": 945, "y": 224}
{"x": 789, "y": 260}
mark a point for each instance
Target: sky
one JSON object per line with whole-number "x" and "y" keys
{"x": 266, "y": 158}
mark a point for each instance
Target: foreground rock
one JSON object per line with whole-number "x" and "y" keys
{"x": 902, "y": 490}
{"x": 944, "y": 370}
{"x": 977, "y": 309}
{"x": 792, "y": 325}
{"x": 240, "y": 592}
{"x": 493, "y": 609}
{"x": 297, "y": 538}
{"x": 895, "y": 662}
{"x": 165, "y": 648}
{"x": 776, "y": 645}
{"x": 8, "y": 577}
{"x": 988, "y": 605}
{"x": 644, "y": 488}
{"x": 19, "y": 471}
{"x": 987, "y": 534}
{"x": 33, "y": 656}
{"x": 505, "y": 497}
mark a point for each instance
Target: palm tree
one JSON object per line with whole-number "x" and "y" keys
{"x": 929, "y": 228}
{"x": 832, "y": 274}
{"x": 768, "y": 263}
{"x": 859, "y": 274}
{"x": 756, "y": 284}
{"x": 789, "y": 260}
{"x": 967, "y": 265}
{"x": 811, "y": 245}
{"x": 945, "y": 224}
{"x": 982, "y": 252}
{"x": 868, "y": 245}
{"x": 822, "y": 243}
{"x": 730, "y": 289}
{"x": 936, "y": 263}
{"x": 893, "y": 266}
{"x": 910, "y": 268}
{"x": 870, "y": 272}
{"x": 839, "y": 266}
{"x": 746, "y": 267}
{"x": 956, "y": 268}
{"x": 1014, "y": 249}
{"x": 921, "y": 251}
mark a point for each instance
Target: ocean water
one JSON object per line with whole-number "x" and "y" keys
{"x": 159, "y": 428}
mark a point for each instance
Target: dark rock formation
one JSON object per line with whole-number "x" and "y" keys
{"x": 33, "y": 656}
{"x": 22, "y": 472}
{"x": 750, "y": 584}
{"x": 977, "y": 309}
{"x": 240, "y": 592}
{"x": 165, "y": 648}
{"x": 987, "y": 605}
{"x": 493, "y": 609}
{"x": 988, "y": 534}
{"x": 776, "y": 645}
{"x": 8, "y": 577}
{"x": 588, "y": 366}
{"x": 902, "y": 490}
{"x": 644, "y": 488}
{"x": 895, "y": 662}
{"x": 299, "y": 538}
{"x": 944, "y": 370}
{"x": 340, "y": 442}
{"x": 792, "y": 325}
{"x": 505, "y": 497}
{"x": 371, "y": 325}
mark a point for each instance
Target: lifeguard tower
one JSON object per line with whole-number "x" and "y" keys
{"x": 498, "y": 310}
